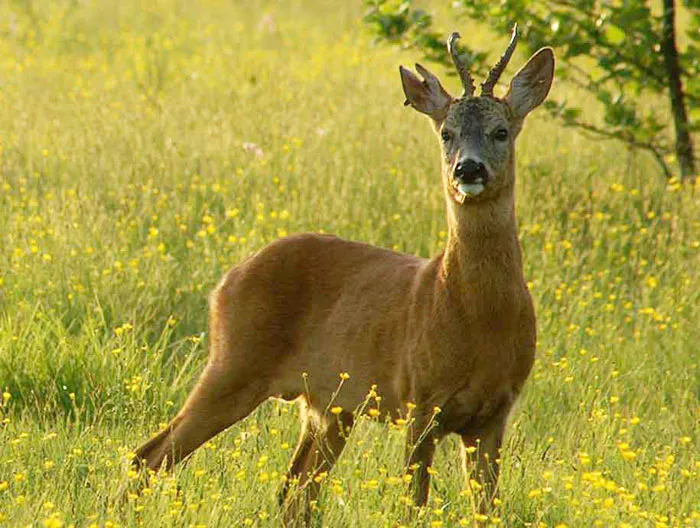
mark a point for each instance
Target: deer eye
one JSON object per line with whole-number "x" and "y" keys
{"x": 501, "y": 134}
{"x": 446, "y": 135}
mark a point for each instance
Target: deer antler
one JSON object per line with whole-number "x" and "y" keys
{"x": 495, "y": 72}
{"x": 464, "y": 75}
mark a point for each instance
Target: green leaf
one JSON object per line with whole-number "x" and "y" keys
{"x": 614, "y": 34}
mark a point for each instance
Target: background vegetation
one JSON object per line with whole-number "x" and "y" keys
{"x": 147, "y": 147}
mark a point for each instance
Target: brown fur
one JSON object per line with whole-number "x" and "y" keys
{"x": 456, "y": 332}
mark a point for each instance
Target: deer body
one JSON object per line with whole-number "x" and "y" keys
{"x": 454, "y": 335}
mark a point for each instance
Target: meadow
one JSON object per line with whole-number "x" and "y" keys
{"x": 147, "y": 147}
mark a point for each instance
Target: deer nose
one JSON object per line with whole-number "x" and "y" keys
{"x": 471, "y": 171}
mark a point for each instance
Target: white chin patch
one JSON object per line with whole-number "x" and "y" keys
{"x": 470, "y": 189}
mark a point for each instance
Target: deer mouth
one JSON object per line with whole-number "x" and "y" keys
{"x": 468, "y": 189}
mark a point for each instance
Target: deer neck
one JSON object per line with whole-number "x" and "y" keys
{"x": 482, "y": 260}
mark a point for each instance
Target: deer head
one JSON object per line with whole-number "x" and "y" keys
{"x": 477, "y": 133}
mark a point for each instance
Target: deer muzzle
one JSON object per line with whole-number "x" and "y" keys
{"x": 470, "y": 177}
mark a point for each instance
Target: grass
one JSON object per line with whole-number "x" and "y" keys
{"x": 144, "y": 150}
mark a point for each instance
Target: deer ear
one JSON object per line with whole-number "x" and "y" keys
{"x": 531, "y": 84}
{"x": 427, "y": 96}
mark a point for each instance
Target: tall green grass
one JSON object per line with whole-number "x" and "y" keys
{"x": 144, "y": 149}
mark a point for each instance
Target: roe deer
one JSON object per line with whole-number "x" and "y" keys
{"x": 456, "y": 332}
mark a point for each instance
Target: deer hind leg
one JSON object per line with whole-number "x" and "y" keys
{"x": 321, "y": 441}
{"x": 219, "y": 400}
{"x": 301, "y": 453}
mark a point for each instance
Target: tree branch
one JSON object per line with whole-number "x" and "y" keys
{"x": 650, "y": 147}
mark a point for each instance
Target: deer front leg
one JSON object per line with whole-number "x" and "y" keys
{"x": 481, "y": 451}
{"x": 420, "y": 449}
